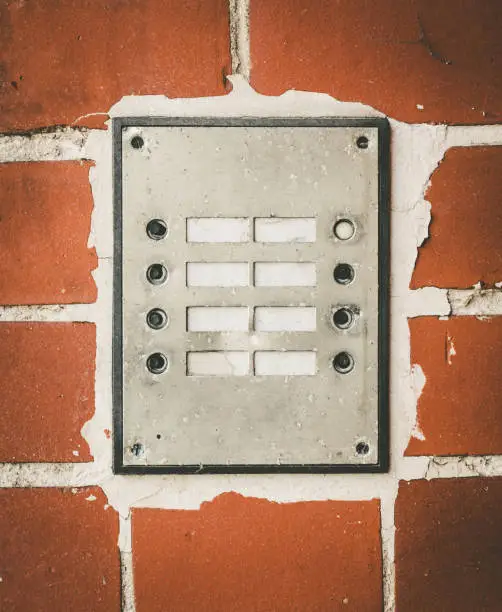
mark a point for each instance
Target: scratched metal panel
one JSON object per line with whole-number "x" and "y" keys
{"x": 242, "y": 395}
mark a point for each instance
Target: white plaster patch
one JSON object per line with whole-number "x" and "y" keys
{"x": 417, "y": 150}
{"x": 242, "y": 101}
{"x": 422, "y": 214}
{"x": 428, "y": 301}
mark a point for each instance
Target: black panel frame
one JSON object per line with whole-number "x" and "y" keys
{"x": 382, "y": 125}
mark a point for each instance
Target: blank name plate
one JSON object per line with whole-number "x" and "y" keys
{"x": 250, "y": 295}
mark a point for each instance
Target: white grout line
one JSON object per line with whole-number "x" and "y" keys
{"x": 239, "y": 37}
{"x": 388, "y": 531}
{"x": 473, "y": 135}
{"x": 52, "y": 314}
{"x": 234, "y": 29}
{"x": 126, "y": 575}
{"x": 63, "y": 144}
{"x": 475, "y": 302}
{"x": 50, "y": 475}
{"x": 126, "y": 565}
{"x": 486, "y": 466}
{"x": 427, "y": 301}
{"x": 66, "y": 144}
{"x": 348, "y": 487}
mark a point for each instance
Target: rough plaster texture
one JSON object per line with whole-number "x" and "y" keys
{"x": 416, "y": 152}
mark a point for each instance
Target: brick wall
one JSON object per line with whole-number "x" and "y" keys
{"x": 426, "y": 536}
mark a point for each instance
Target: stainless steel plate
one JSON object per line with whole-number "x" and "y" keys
{"x": 251, "y": 272}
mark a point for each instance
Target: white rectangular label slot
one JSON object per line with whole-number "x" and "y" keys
{"x": 283, "y": 274}
{"x": 285, "y": 229}
{"x": 218, "y": 230}
{"x": 285, "y": 363}
{"x": 206, "y": 274}
{"x": 285, "y": 318}
{"x": 218, "y": 363}
{"x": 217, "y": 318}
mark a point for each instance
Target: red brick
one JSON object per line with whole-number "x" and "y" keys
{"x": 62, "y": 60}
{"x": 459, "y": 408}
{"x": 444, "y": 55}
{"x": 250, "y": 554}
{"x": 47, "y": 382}
{"x": 45, "y": 219}
{"x": 59, "y": 551}
{"x": 464, "y": 243}
{"x": 449, "y": 545}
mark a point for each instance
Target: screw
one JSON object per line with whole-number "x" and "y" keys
{"x": 137, "y": 449}
{"x": 362, "y": 142}
{"x": 137, "y": 142}
{"x": 362, "y": 448}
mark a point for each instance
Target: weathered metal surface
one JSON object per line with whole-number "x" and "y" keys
{"x": 259, "y": 359}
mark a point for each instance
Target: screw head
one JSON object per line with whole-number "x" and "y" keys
{"x": 362, "y": 448}
{"x": 137, "y": 142}
{"x": 137, "y": 449}
{"x": 362, "y": 142}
